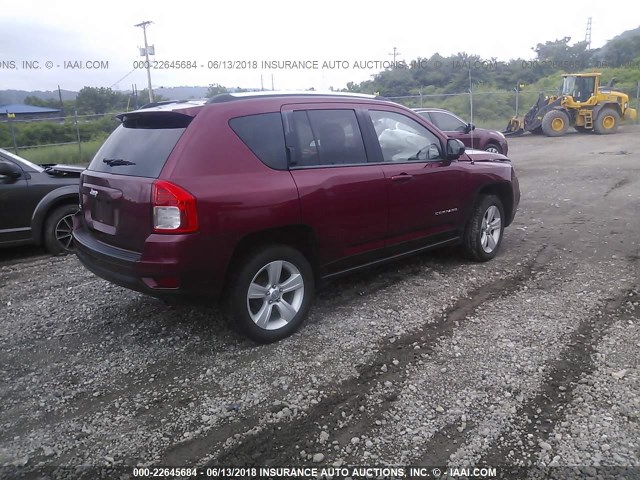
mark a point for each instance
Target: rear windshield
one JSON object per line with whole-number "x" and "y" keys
{"x": 140, "y": 146}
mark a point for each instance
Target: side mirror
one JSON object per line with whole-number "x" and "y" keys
{"x": 469, "y": 127}
{"x": 455, "y": 148}
{"x": 10, "y": 170}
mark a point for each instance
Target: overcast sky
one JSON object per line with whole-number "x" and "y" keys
{"x": 331, "y": 30}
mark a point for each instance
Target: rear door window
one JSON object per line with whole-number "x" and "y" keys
{"x": 447, "y": 122}
{"x": 141, "y": 145}
{"x": 327, "y": 137}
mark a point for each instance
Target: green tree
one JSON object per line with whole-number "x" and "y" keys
{"x": 559, "y": 53}
{"x": 352, "y": 87}
{"x": 216, "y": 89}
{"x": 39, "y": 102}
{"x": 92, "y": 100}
{"x": 143, "y": 98}
{"x": 622, "y": 51}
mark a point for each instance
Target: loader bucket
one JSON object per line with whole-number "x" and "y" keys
{"x": 514, "y": 127}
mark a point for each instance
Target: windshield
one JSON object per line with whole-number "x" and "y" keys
{"x": 568, "y": 85}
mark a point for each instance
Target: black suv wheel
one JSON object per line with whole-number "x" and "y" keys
{"x": 58, "y": 230}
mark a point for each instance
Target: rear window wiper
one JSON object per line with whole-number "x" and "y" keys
{"x": 115, "y": 162}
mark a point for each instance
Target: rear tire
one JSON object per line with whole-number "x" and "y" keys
{"x": 57, "y": 230}
{"x": 607, "y": 121}
{"x": 483, "y": 233}
{"x": 555, "y": 123}
{"x": 271, "y": 293}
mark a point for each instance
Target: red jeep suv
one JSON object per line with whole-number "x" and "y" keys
{"x": 258, "y": 197}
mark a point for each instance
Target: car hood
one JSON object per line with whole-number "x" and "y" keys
{"x": 63, "y": 170}
{"x": 482, "y": 131}
{"x": 482, "y": 156}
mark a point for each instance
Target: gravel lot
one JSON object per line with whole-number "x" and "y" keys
{"x": 528, "y": 360}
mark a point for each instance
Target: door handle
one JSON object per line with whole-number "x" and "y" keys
{"x": 402, "y": 178}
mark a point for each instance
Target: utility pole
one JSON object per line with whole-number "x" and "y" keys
{"x": 638, "y": 101}
{"x": 60, "y": 98}
{"x": 146, "y": 54}
{"x": 394, "y": 54}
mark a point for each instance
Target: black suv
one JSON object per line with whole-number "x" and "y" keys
{"x": 37, "y": 203}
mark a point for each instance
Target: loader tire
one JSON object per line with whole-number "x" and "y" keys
{"x": 555, "y": 123}
{"x": 607, "y": 121}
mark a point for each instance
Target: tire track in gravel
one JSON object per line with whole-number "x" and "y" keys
{"x": 565, "y": 373}
{"x": 619, "y": 184}
{"x": 280, "y": 441}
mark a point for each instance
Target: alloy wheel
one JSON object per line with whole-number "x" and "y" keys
{"x": 491, "y": 229}
{"x": 275, "y": 295}
{"x": 64, "y": 227}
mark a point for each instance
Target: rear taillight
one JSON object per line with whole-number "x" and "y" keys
{"x": 174, "y": 209}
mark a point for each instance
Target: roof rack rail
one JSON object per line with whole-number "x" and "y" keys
{"x": 163, "y": 102}
{"x": 229, "y": 97}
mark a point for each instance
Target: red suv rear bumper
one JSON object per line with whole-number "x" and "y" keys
{"x": 165, "y": 268}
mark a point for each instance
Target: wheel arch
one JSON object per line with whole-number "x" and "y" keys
{"x": 504, "y": 192}
{"x": 300, "y": 237}
{"x": 613, "y": 105}
{"x": 490, "y": 141}
{"x": 67, "y": 195}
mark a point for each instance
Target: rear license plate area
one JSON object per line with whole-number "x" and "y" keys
{"x": 102, "y": 211}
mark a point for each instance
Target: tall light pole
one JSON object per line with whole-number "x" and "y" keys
{"x": 146, "y": 54}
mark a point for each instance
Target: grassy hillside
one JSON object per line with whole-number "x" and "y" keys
{"x": 493, "y": 106}
{"x": 65, "y": 154}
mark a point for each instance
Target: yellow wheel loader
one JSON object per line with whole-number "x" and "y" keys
{"x": 582, "y": 104}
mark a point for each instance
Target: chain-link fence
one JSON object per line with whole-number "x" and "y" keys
{"x": 76, "y": 138}
{"x": 69, "y": 139}
{"x": 493, "y": 109}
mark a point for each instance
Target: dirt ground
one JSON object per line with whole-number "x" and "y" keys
{"x": 528, "y": 360}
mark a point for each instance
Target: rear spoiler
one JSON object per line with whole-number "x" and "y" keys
{"x": 189, "y": 108}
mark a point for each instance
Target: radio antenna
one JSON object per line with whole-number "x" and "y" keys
{"x": 471, "y": 107}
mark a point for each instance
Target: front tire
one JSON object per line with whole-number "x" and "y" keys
{"x": 483, "y": 234}
{"x": 555, "y": 123}
{"x": 271, "y": 293}
{"x": 57, "y": 230}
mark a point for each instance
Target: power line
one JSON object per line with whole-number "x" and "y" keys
{"x": 123, "y": 78}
